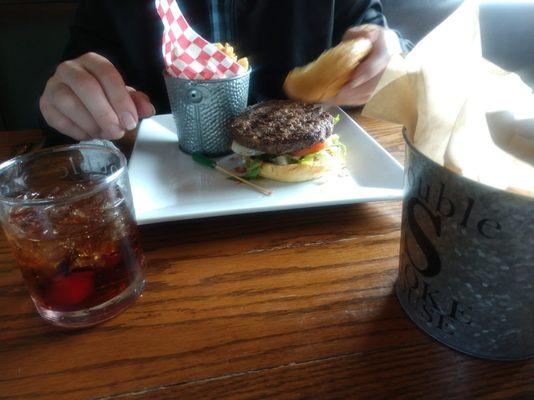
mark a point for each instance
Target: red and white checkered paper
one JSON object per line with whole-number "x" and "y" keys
{"x": 187, "y": 55}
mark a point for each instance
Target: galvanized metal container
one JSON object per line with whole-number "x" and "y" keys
{"x": 467, "y": 262}
{"x": 203, "y": 109}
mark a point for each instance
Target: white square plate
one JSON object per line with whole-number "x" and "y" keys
{"x": 168, "y": 185}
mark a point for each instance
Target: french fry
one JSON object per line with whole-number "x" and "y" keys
{"x": 244, "y": 63}
{"x": 229, "y": 50}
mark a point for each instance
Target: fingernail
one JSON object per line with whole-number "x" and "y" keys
{"x": 115, "y": 131}
{"x": 153, "y": 110}
{"x": 127, "y": 120}
{"x": 355, "y": 83}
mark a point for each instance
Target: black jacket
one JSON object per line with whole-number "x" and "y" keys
{"x": 276, "y": 35}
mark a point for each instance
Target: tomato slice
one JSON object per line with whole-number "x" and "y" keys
{"x": 310, "y": 150}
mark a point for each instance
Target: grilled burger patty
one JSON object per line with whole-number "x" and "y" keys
{"x": 282, "y": 126}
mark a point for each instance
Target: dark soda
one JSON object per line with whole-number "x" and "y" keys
{"x": 80, "y": 255}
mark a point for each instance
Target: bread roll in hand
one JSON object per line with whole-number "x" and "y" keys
{"x": 323, "y": 78}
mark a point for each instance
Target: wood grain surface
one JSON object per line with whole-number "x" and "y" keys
{"x": 295, "y": 304}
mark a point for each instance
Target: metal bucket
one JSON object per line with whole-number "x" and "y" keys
{"x": 467, "y": 262}
{"x": 203, "y": 109}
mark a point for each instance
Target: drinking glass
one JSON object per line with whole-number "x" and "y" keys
{"x": 68, "y": 216}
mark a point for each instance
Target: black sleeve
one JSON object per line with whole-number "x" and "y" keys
{"x": 350, "y": 13}
{"x": 93, "y": 30}
{"x": 90, "y": 31}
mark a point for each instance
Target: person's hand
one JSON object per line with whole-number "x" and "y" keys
{"x": 87, "y": 98}
{"x": 367, "y": 75}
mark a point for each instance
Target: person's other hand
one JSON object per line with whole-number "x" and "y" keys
{"x": 87, "y": 98}
{"x": 367, "y": 75}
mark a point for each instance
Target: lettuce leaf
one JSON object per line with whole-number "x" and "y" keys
{"x": 334, "y": 144}
{"x": 337, "y": 118}
{"x": 334, "y": 148}
{"x": 253, "y": 167}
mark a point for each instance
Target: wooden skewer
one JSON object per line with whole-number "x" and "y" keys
{"x": 248, "y": 183}
{"x": 199, "y": 158}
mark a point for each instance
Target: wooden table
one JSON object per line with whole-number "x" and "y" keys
{"x": 295, "y": 304}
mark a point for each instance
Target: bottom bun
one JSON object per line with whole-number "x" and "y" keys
{"x": 293, "y": 172}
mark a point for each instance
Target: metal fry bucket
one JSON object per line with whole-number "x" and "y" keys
{"x": 203, "y": 109}
{"x": 467, "y": 262}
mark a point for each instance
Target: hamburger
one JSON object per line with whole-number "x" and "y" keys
{"x": 287, "y": 141}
